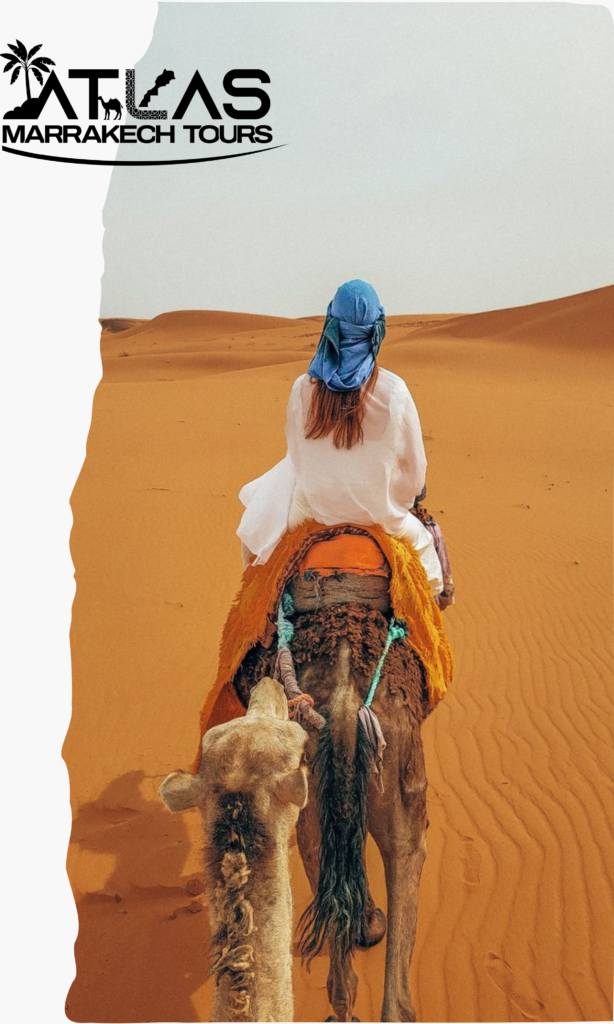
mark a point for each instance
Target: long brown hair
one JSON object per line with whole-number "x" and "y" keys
{"x": 339, "y": 413}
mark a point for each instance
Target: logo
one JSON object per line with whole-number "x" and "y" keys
{"x": 231, "y": 112}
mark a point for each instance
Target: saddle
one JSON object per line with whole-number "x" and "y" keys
{"x": 252, "y": 618}
{"x": 349, "y": 567}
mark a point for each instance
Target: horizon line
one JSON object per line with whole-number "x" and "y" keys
{"x": 313, "y": 316}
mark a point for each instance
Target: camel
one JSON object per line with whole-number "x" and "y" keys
{"x": 250, "y": 786}
{"x": 110, "y": 105}
{"x": 336, "y": 644}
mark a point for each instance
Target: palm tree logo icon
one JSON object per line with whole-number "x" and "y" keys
{"x": 21, "y": 58}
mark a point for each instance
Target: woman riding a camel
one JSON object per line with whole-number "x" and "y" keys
{"x": 355, "y": 449}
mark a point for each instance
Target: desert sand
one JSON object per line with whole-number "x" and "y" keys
{"x": 515, "y": 918}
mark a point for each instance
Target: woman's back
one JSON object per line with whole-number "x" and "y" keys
{"x": 377, "y": 479}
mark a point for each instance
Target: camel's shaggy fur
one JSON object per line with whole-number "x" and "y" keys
{"x": 237, "y": 843}
{"x": 319, "y": 634}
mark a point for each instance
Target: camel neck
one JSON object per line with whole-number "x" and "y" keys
{"x": 268, "y": 945}
{"x": 272, "y": 902}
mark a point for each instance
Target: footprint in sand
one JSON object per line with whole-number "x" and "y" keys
{"x": 471, "y": 861}
{"x": 501, "y": 974}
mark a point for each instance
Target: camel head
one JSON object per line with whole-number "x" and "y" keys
{"x": 261, "y": 754}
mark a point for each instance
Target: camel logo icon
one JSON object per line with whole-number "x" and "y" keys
{"x": 110, "y": 105}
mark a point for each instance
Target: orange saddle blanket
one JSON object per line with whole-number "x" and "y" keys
{"x": 358, "y": 554}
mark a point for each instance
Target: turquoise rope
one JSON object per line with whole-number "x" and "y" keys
{"x": 396, "y": 631}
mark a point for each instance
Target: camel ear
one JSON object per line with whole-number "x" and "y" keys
{"x": 292, "y": 789}
{"x": 181, "y": 790}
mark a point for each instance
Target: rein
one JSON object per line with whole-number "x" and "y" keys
{"x": 397, "y": 629}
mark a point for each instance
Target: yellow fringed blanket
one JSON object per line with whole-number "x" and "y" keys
{"x": 252, "y": 616}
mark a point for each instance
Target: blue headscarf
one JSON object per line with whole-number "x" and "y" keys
{"x": 353, "y": 331}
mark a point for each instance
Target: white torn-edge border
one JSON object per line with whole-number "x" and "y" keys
{"x": 52, "y": 233}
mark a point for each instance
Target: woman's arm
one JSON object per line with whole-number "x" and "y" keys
{"x": 267, "y": 503}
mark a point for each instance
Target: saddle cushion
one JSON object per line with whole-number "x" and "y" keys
{"x": 347, "y": 553}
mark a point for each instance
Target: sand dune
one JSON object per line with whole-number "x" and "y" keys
{"x": 517, "y": 897}
{"x": 193, "y": 342}
{"x": 583, "y": 321}
{"x": 180, "y": 345}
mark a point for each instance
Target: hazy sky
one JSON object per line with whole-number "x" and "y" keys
{"x": 458, "y": 156}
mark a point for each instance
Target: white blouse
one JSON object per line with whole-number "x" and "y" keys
{"x": 374, "y": 482}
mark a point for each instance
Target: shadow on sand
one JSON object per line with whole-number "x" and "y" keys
{"x": 141, "y": 951}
